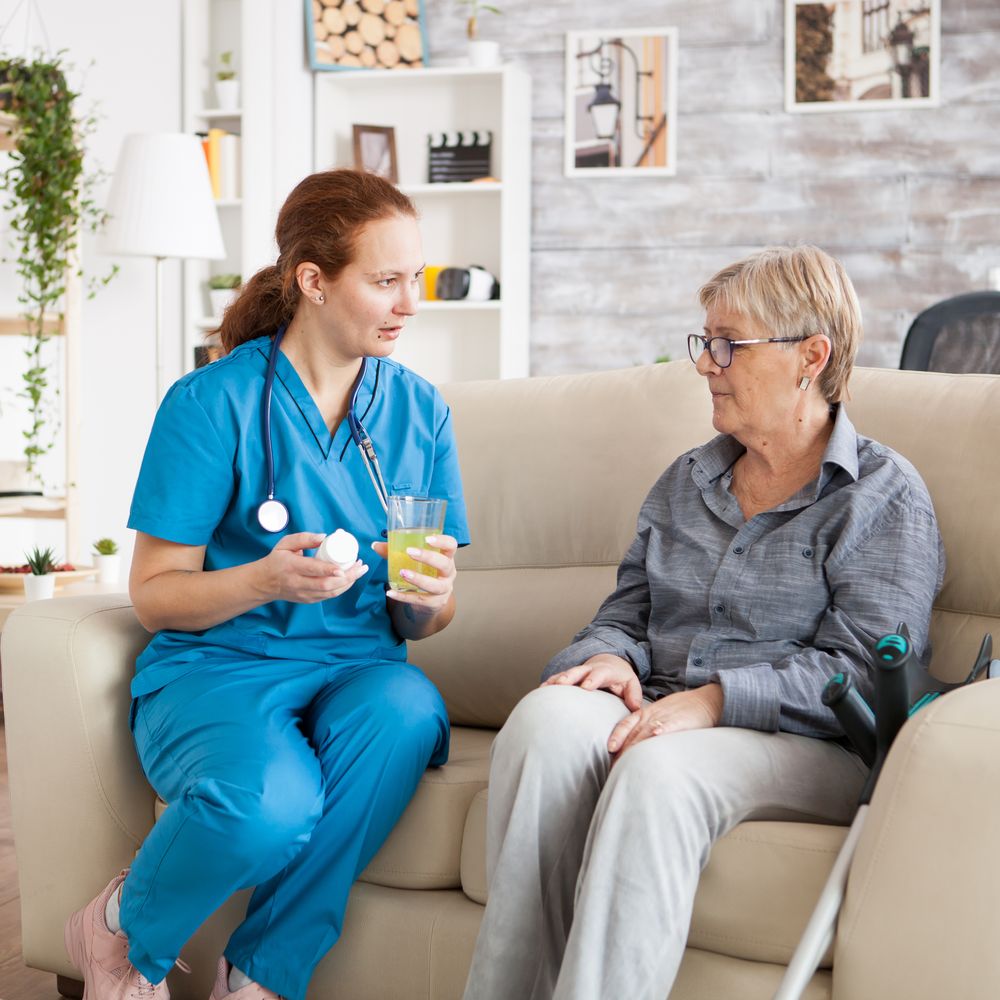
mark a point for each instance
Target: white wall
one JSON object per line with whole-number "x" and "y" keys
{"x": 126, "y": 60}
{"x": 127, "y": 63}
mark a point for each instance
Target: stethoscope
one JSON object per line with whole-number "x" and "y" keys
{"x": 273, "y": 514}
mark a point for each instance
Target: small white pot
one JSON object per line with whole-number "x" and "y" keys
{"x": 108, "y": 568}
{"x": 39, "y": 588}
{"x": 227, "y": 94}
{"x": 219, "y": 298}
{"x": 483, "y": 53}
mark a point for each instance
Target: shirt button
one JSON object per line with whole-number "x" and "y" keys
{"x": 738, "y": 550}
{"x": 720, "y": 609}
{"x": 807, "y": 552}
{"x": 697, "y": 661}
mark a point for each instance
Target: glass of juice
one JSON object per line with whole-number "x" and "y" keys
{"x": 411, "y": 520}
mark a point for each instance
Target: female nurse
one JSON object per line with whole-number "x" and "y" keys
{"x": 274, "y": 709}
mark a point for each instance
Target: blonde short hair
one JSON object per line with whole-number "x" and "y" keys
{"x": 795, "y": 292}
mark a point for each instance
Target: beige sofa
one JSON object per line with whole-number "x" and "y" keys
{"x": 555, "y": 470}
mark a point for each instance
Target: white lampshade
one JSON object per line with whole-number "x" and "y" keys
{"x": 161, "y": 204}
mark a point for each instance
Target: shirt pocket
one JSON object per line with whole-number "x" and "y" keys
{"x": 791, "y": 593}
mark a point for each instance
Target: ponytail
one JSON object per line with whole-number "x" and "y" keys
{"x": 262, "y": 306}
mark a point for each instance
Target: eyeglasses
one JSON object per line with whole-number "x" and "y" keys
{"x": 721, "y": 348}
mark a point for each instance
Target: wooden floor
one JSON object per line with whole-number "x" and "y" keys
{"x": 16, "y": 981}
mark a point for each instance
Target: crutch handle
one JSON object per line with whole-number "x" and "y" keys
{"x": 890, "y": 657}
{"x": 853, "y": 713}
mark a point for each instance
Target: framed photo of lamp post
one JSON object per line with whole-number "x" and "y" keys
{"x": 621, "y": 102}
{"x": 862, "y": 55}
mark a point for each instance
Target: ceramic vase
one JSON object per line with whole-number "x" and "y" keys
{"x": 483, "y": 53}
{"x": 227, "y": 94}
{"x": 108, "y": 568}
{"x": 39, "y": 588}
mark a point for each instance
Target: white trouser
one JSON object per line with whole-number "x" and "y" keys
{"x": 592, "y": 870}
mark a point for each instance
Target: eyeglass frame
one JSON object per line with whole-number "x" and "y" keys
{"x": 707, "y": 341}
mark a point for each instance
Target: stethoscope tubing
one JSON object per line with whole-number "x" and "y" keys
{"x": 358, "y": 433}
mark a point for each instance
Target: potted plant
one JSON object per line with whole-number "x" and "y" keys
{"x": 481, "y": 51}
{"x": 39, "y": 584}
{"x": 107, "y": 560}
{"x": 48, "y": 203}
{"x": 222, "y": 289}
{"x": 227, "y": 87}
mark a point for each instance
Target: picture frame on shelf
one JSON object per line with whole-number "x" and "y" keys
{"x": 621, "y": 102}
{"x": 353, "y": 36}
{"x": 859, "y": 55}
{"x": 375, "y": 150}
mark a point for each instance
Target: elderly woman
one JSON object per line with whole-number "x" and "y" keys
{"x": 765, "y": 561}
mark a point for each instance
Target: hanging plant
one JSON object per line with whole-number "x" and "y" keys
{"x": 49, "y": 205}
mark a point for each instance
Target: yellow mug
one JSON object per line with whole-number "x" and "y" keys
{"x": 431, "y": 272}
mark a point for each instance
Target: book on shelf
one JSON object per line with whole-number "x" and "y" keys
{"x": 222, "y": 154}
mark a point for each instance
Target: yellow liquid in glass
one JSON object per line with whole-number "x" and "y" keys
{"x": 399, "y": 541}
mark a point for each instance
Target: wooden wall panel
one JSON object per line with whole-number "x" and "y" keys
{"x": 909, "y": 200}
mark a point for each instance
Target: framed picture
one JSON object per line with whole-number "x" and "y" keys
{"x": 621, "y": 102}
{"x": 375, "y": 150}
{"x": 346, "y": 35}
{"x": 858, "y": 55}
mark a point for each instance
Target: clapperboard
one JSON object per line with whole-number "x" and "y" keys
{"x": 458, "y": 156}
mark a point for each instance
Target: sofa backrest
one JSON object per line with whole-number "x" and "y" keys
{"x": 555, "y": 470}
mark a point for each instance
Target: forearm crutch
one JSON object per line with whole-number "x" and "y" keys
{"x": 872, "y": 735}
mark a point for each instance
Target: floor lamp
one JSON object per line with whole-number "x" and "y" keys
{"x": 161, "y": 205}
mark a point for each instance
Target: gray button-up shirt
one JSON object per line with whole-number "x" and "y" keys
{"x": 771, "y": 607}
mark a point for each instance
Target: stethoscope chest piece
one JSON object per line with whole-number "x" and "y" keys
{"x": 273, "y": 515}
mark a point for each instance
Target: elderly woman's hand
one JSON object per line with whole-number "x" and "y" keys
{"x": 699, "y": 708}
{"x": 603, "y": 672}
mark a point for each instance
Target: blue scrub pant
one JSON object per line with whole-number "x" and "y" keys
{"x": 282, "y": 775}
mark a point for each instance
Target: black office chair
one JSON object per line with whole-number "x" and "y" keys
{"x": 961, "y": 334}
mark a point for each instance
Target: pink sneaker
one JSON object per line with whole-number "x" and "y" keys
{"x": 221, "y": 989}
{"x": 101, "y": 956}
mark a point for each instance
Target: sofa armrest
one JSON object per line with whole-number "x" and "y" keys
{"x": 81, "y": 804}
{"x": 920, "y": 918}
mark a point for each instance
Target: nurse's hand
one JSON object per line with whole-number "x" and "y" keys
{"x": 435, "y": 592}
{"x": 285, "y": 574}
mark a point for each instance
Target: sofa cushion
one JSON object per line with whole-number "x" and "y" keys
{"x": 556, "y": 470}
{"x": 424, "y": 850}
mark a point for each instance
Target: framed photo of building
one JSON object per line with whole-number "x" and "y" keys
{"x": 859, "y": 55}
{"x": 621, "y": 102}
{"x": 375, "y": 150}
{"x": 344, "y": 35}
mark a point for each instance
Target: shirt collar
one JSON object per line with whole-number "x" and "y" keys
{"x": 714, "y": 459}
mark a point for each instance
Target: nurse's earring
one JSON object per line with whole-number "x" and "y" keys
{"x": 319, "y": 300}
{"x": 804, "y": 382}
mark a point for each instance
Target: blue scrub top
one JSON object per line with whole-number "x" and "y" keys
{"x": 204, "y": 475}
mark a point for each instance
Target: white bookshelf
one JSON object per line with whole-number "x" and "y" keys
{"x": 247, "y": 29}
{"x": 485, "y": 223}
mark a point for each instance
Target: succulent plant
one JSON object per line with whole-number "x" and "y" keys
{"x": 40, "y": 561}
{"x": 106, "y": 547}
{"x": 217, "y": 281}
{"x": 225, "y": 70}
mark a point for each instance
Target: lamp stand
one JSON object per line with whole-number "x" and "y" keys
{"x": 159, "y": 327}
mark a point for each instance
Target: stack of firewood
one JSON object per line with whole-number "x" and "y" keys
{"x": 378, "y": 34}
